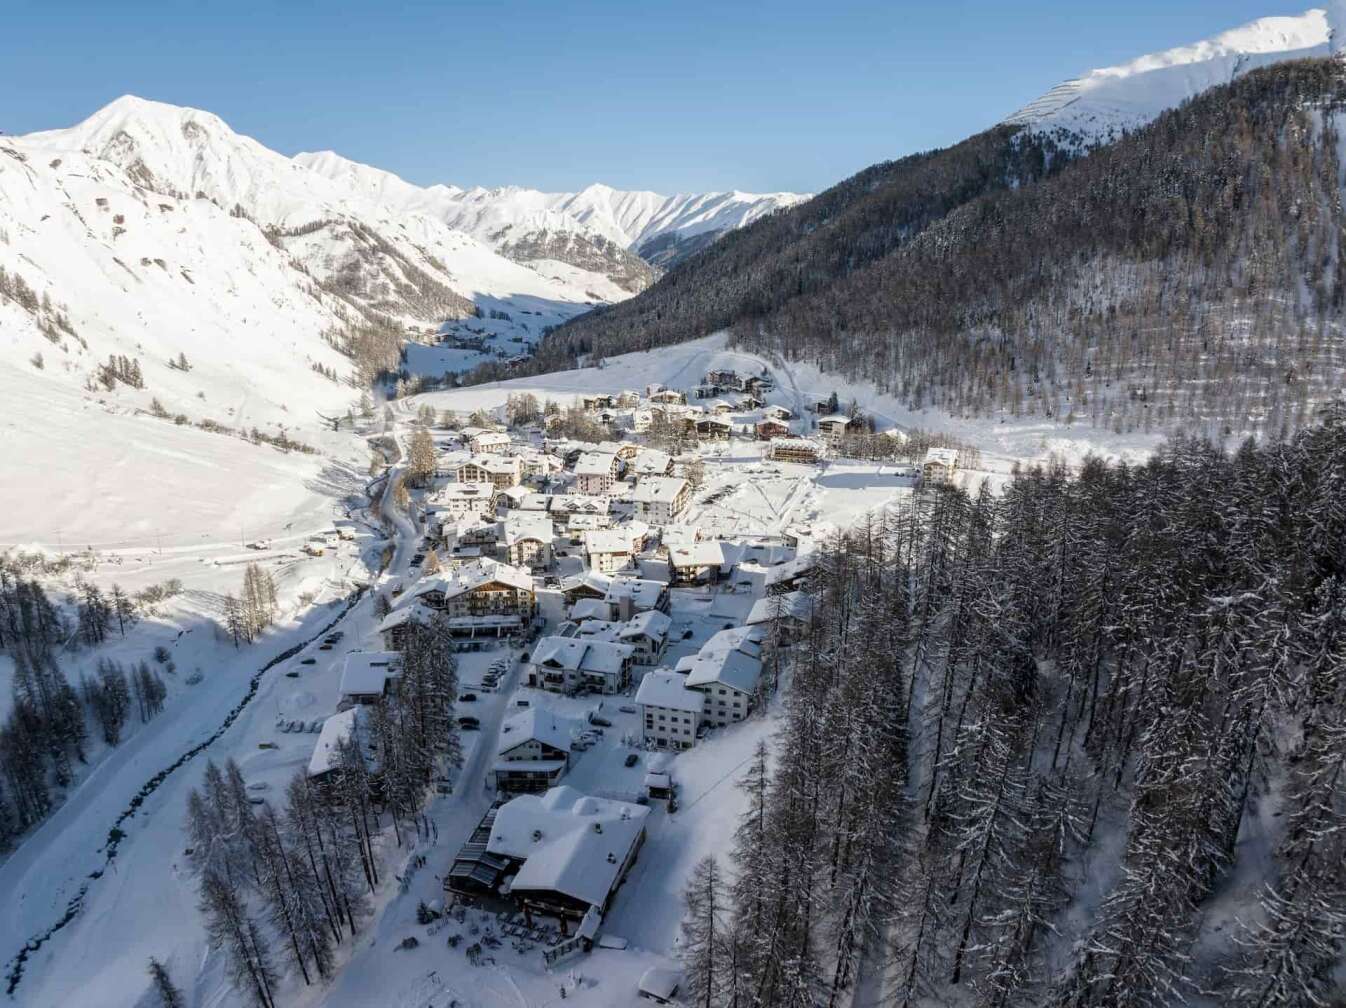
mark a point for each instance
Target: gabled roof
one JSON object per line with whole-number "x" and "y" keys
{"x": 643, "y": 593}
{"x": 730, "y": 658}
{"x": 596, "y": 464}
{"x": 668, "y": 689}
{"x": 520, "y": 526}
{"x": 697, "y": 554}
{"x": 944, "y": 456}
{"x": 651, "y": 623}
{"x": 569, "y": 842}
{"x": 366, "y": 672}
{"x": 599, "y": 657}
{"x": 476, "y": 575}
{"x": 658, "y": 489}
{"x": 536, "y": 724}
{"x": 335, "y": 731}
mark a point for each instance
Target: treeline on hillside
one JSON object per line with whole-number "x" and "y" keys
{"x": 1187, "y": 276}
{"x": 47, "y": 730}
{"x": 281, "y": 887}
{"x": 1078, "y": 746}
{"x": 752, "y": 271}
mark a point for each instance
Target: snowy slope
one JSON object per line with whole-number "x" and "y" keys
{"x": 506, "y": 216}
{"x": 1102, "y": 104}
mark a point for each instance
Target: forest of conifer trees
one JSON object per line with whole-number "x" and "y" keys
{"x": 1079, "y": 745}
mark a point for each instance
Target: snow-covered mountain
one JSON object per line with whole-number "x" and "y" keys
{"x": 598, "y": 220}
{"x": 1103, "y": 104}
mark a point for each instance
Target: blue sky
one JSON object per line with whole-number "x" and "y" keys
{"x": 675, "y": 97}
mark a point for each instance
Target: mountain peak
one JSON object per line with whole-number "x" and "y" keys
{"x": 1100, "y": 105}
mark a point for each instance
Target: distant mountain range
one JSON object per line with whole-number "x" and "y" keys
{"x": 150, "y": 230}
{"x": 1150, "y": 246}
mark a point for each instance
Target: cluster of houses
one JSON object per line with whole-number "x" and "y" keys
{"x": 575, "y": 552}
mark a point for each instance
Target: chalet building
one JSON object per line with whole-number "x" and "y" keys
{"x": 480, "y": 595}
{"x": 651, "y": 462}
{"x": 726, "y": 671}
{"x": 628, "y": 595}
{"x": 489, "y": 442}
{"x": 567, "y": 665}
{"x": 694, "y": 563}
{"x": 368, "y": 677}
{"x": 661, "y": 500}
{"x": 527, "y": 540}
{"x": 833, "y": 427}
{"x": 719, "y": 407}
{"x": 397, "y": 624}
{"x": 565, "y": 508}
{"x": 566, "y": 853}
{"x": 712, "y": 428}
{"x": 802, "y": 450}
{"x": 777, "y": 412}
{"x": 534, "y": 751}
{"x": 460, "y": 499}
{"x": 646, "y": 633}
{"x": 628, "y": 399}
{"x": 501, "y": 471}
{"x": 668, "y": 397}
{"x": 670, "y": 713}
{"x": 722, "y": 377}
{"x": 596, "y": 472}
{"x": 614, "y": 549}
{"x": 939, "y": 466}
{"x": 771, "y": 428}
{"x": 337, "y": 731}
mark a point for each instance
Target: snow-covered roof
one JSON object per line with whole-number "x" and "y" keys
{"x": 651, "y": 623}
{"x": 365, "y": 673}
{"x": 942, "y": 456}
{"x": 600, "y": 657}
{"x": 490, "y": 438}
{"x": 472, "y": 576}
{"x": 697, "y": 554}
{"x": 590, "y": 609}
{"x": 580, "y": 504}
{"x": 618, "y": 540}
{"x": 835, "y": 418}
{"x": 528, "y": 525}
{"x": 658, "y": 489}
{"x": 668, "y": 689}
{"x": 790, "y": 569}
{"x": 335, "y": 731}
{"x": 466, "y": 491}
{"x": 730, "y": 658}
{"x": 569, "y": 842}
{"x": 652, "y": 461}
{"x": 660, "y": 982}
{"x": 596, "y": 464}
{"x": 536, "y": 724}
{"x": 406, "y": 614}
{"x": 643, "y": 593}
{"x": 493, "y": 463}
{"x": 793, "y": 604}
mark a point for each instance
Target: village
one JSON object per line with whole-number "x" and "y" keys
{"x": 610, "y": 606}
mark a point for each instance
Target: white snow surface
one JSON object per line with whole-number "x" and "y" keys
{"x": 505, "y": 213}
{"x": 1101, "y": 105}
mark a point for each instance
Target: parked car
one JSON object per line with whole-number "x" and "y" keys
{"x": 469, "y": 723}
{"x": 631, "y": 760}
{"x": 468, "y": 697}
{"x": 594, "y": 719}
{"x": 309, "y": 661}
{"x": 292, "y": 674}
{"x": 522, "y": 703}
{"x": 627, "y": 709}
